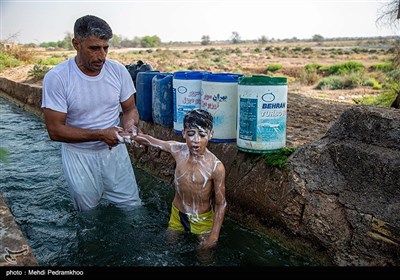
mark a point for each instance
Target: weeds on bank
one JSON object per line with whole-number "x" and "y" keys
{"x": 3, "y": 155}
{"x": 38, "y": 72}
{"x": 388, "y": 95}
{"x": 385, "y": 98}
{"x": 15, "y": 55}
{"x": 276, "y": 159}
{"x": 8, "y": 61}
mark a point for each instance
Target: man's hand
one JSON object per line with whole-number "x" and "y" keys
{"x": 132, "y": 130}
{"x": 128, "y": 135}
{"x": 109, "y": 136}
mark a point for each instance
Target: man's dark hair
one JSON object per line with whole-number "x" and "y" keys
{"x": 198, "y": 118}
{"x": 92, "y": 26}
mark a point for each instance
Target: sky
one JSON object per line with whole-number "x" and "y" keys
{"x": 188, "y": 20}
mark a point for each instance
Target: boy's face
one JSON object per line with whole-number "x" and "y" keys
{"x": 197, "y": 139}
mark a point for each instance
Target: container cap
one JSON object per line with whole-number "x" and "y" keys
{"x": 222, "y": 77}
{"x": 148, "y": 73}
{"x": 163, "y": 75}
{"x": 262, "y": 80}
{"x": 189, "y": 75}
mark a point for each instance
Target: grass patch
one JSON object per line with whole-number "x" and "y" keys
{"x": 38, "y": 72}
{"x": 385, "y": 98}
{"x": 50, "y": 60}
{"x": 278, "y": 159}
{"x": 343, "y": 68}
{"x": 8, "y": 61}
{"x": 3, "y": 155}
{"x": 273, "y": 67}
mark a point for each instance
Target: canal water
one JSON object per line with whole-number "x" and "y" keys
{"x": 33, "y": 186}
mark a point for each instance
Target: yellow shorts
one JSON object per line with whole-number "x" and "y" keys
{"x": 200, "y": 224}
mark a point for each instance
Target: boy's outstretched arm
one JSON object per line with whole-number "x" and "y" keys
{"x": 220, "y": 206}
{"x": 147, "y": 140}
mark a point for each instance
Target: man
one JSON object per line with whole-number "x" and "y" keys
{"x": 81, "y": 100}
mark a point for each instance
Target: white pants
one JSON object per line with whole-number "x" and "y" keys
{"x": 95, "y": 174}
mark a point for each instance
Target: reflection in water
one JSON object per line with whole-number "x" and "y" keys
{"x": 34, "y": 188}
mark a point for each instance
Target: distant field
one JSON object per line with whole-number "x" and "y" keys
{"x": 254, "y": 58}
{"x": 248, "y": 58}
{"x": 289, "y": 59}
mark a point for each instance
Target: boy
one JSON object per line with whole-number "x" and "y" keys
{"x": 199, "y": 178}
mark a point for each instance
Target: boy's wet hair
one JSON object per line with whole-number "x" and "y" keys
{"x": 92, "y": 26}
{"x": 198, "y": 118}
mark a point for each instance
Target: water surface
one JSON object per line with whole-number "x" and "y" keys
{"x": 34, "y": 188}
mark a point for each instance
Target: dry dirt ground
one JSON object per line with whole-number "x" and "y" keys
{"x": 310, "y": 112}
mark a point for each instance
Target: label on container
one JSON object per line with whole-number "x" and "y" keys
{"x": 187, "y": 96}
{"x": 220, "y": 99}
{"x": 262, "y": 117}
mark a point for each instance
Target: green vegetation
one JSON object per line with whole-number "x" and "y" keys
{"x": 66, "y": 43}
{"x": 391, "y": 89}
{"x": 303, "y": 62}
{"x": 22, "y": 53}
{"x": 332, "y": 82}
{"x": 385, "y": 98}
{"x": 3, "y": 155}
{"x": 53, "y": 60}
{"x": 15, "y": 55}
{"x": 342, "y": 82}
{"x": 150, "y": 41}
{"x": 384, "y": 67}
{"x": 278, "y": 159}
{"x": 343, "y": 68}
{"x": 312, "y": 67}
{"x": 372, "y": 83}
{"x": 273, "y": 67}
{"x": 205, "y": 40}
{"x": 119, "y": 42}
{"x": 8, "y": 61}
{"x": 38, "y": 72}
{"x": 235, "y": 38}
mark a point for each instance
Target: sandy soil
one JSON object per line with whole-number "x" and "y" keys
{"x": 310, "y": 112}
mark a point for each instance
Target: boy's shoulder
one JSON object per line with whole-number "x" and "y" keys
{"x": 178, "y": 147}
{"x": 214, "y": 156}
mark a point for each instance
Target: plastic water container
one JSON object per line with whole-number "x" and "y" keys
{"x": 186, "y": 95}
{"x": 135, "y": 68}
{"x": 144, "y": 94}
{"x": 162, "y": 103}
{"x": 219, "y": 96}
{"x": 262, "y": 112}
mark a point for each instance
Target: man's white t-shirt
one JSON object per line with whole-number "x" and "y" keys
{"x": 89, "y": 102}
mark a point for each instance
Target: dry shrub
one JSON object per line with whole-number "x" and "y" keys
{"x": 294, "y": 72}
{"x": 308, "y": 78}
{"x": 21, "y": 53}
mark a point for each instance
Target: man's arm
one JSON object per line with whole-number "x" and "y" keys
{"x": 130, "y": 116}
{"x": 220, "y": 206}
{"x": 59, "y": 131}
